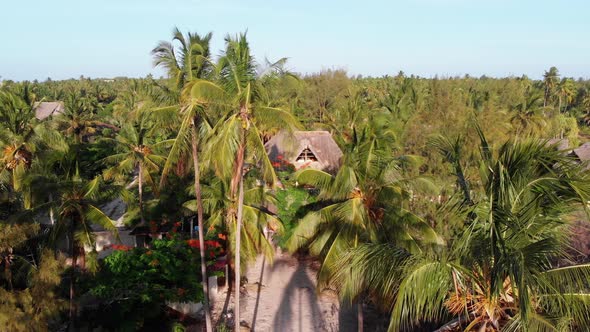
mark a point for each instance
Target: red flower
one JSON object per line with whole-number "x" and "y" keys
{"x": 193, "y": 243}
{"x": 280, "y": 157}
{"x": 121, "y": 247}
{"x": 211, "y": 243}
{"x": 221, "y": 236}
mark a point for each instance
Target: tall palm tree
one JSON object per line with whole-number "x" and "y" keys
{"x": 503, "y": 272}
{"x": 188, "y": 61}
{"x": 236, "y": 139}
{"x": 550, "y": 80}
{"x": 187, "y": 64}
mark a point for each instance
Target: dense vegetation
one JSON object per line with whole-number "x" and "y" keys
{"x": 450, "y": 209}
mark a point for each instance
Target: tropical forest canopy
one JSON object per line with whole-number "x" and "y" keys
{"x": 450, "y": 180}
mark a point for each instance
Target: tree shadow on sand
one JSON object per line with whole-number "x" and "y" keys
{"x": 299, "y": 310}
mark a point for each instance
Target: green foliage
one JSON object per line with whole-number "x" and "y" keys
{"x": 36, "y": 307}
{"x": 291, "y": 203}
{"x": 499, "y": 274}
{"x": 400, "y": 134}
{"x": 136, "y": 284}
{"x": 144, "y": 275}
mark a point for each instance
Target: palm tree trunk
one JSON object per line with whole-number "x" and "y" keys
{"x": 237, "y": 271}
{"x": 198, "y": 197}
{"x": 359, "y": 305}
{"x": 7, "y": 271}
{"x": 239, "y": 179}
{"x": 51, "y": 215}
{"x": 140, "y": 189}
{"x": 73, "y": 253}
{"x": 546, "y": 96}
{"x": 359, "y": 316}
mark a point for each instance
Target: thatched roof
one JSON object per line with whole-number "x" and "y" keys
{"x": 46, "y": 109}
{"x": 561, "y": 143}
{"x": 583, "y": 153}
{"x": 315, "y": 149}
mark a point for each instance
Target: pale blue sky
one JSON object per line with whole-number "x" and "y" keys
{"x": 68, "y": 38}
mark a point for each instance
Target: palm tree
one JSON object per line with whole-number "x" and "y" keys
{"x": 366, "y": 201}
{"x": 586, "y": 107}
{"x": 185, "y": 65}
{"x": 550, "y": 80}
{"x": 188, "y": 61}
{"x": 77, "y": 207}
{"x": 22, "y": 140}
{"x": 565, "y": 92}
{"x": 503, "y": 272}
{"x": 527, "y": 117}
{"x": 77, "y": 120}
{"x": 139, "y": 152}
{"x": 236, "y": 139}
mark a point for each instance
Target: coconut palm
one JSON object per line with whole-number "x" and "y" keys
{"x": 78, "y": 120}
{"x": 366, "y": 201}
{"x": 22, "y": 139}
{"x": 550, "y": 80}
{"x": 586, "y": 107}
{"x": 503, "y": 272}
{"x": 565, "y": 92}
{"x": 186, "y": 62}
{"x": 527, "y": 117}
{"x": 138, "y": 153}
{"x": 76, "y": 202}
{"x": 185, "y": 65}
{"x": 236, "y": 140}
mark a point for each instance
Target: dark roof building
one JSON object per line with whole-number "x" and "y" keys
{"x": 314, "y": 149}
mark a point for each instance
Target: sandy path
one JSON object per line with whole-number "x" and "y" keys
{"x": 282, "y": 297}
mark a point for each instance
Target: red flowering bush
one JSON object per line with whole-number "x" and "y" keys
{"x": 121, "y": 247}
{"x": 212, "y": 248}
{"x": 283, "y": 164}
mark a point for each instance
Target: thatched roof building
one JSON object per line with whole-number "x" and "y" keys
{"x": 561, "y": 144}
{"x": 582, "y": 153}
{"x": 314, "y": 149}
{"x": 46, "y": 109}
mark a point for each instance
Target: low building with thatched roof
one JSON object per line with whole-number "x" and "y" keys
{"x": 46, "y": 109}
{"x": 561, "y": 144}
{"x": 313, "y": 149}
{"x": 582, "y": 153}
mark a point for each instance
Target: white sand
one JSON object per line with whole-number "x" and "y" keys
{"x": 282, "y": 297}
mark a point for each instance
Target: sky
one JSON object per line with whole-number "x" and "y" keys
{"x": 64, "y": 39}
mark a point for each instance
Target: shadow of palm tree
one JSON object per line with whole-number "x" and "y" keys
{"x": 299, "y": 310}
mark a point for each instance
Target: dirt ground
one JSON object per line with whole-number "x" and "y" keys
{"x": 282, "y": 297}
